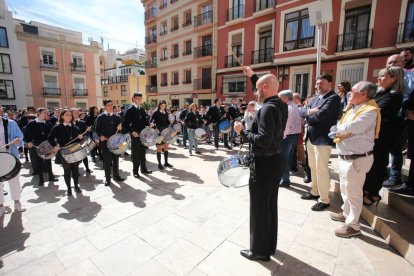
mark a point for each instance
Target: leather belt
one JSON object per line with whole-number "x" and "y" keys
{"x": 355, "y": 156}
{"x": 265, "y": 154}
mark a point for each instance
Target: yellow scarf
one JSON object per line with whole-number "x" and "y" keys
{"x": 367, "y": 106}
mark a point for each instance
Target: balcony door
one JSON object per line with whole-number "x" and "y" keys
{"x": 206, "y": 43}
{"x": 206, "y": 78}
{"x": 207, "y": 13}
{"x": 356, "y": 28}
{"x": 265, "y": 46}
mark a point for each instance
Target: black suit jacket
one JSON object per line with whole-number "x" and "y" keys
{"x": 320, "y": 123}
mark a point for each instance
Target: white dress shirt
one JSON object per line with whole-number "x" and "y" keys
{"x": 294, "y": 122}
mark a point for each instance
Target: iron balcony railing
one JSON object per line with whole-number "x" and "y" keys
{"x": 203, "y": 51}
{"x": 203, "y": 18}
{"x": 263, "y": 4}
{"x": 405, "y": 32}
{"x": 187, "y": 23}
{"x": 152, "y": 63}
{"x": 163, "y": 84}
{"x": 173, "y": 1}
{"x": 175, "y": 82}
{"x": 200, "y": 84}
{"x": 150, "y": 39}
{"x": 163, "y": 6}
{"x": 298, "y": 44}
{"x": 163, "y": 32}
{"x": 49, "y": 65}
{"x": 235, "y": 12}
{"x": 188, "y": 52}
{"x": 48, "y": 91}
{"x": 80, "y": 92}
{"x": 116, "y": 79}
{"x": 151, "y": 88}
{"x": 77, "y": 67}
{"x": 354, "y": 40}
{"x": 163, "y": 58}
{"x": 151, "y": 13}
{"x": 186, "y": 81}
{"x": 174, "y": 28}
{"x": 174, "y": 55}
{"x": 263, "y": 55}
{"x": 233, "y": 61}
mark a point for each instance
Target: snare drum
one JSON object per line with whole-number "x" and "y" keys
{"x": 74, "y": 153}
{"x": 233, "y": 171}
{"x": 148, "y": 137}
{"x": 200, "y": 134}
{"x": 10, "y": 166}
{"x": 45, "y": 150}
{"x": 176, "y": 127}
{"x": 170, "y": 135}
{"x": 225, "y": 127}
{"x": 95, "y": 137}
{"x": 117, "y": 144}
{"x": 89, "y": 145}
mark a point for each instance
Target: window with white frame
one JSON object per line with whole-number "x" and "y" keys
{"x": 354, "y": 73}
{"x": 50, "y": 81}
{"x": 47, "y": 58}
{"x": 5, "y": 64}
{"x": 234, "y": 84}
{"x": 52, "y": 104}
{"x": 298, "y": 31}
{"x": 77, "y": 60}
{"x": 79, "y": 83}
{"x": 6, "y": 89}
{"x": 123, "y": 90}
{"x": 4, "y": 42}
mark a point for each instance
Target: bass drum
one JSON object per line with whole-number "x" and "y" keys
{"x": 117, "y": 144}
{"x": 10, "y": 166}
{"x": 234, "y": 171}
{"x": 74, "y": 153}
{"x": 148, "y": 137}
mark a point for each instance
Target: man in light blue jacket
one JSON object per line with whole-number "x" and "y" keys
{"x": 10, "y": 133}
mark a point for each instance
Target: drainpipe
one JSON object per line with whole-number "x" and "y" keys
{"x": 64, "y": 74}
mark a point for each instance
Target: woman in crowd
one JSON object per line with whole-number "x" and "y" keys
{"x": 66, "y": 133}
{"x": 389, "y": 99}
{"x": 344, "y": 89}
{"x": 249, "y": 115}
{"x": 161, "y": 121}
{"x": 192, "y": 120}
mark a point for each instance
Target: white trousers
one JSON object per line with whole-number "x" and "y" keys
{"x": 14, "y": 185}
{"x": 352, "y": 175}
{"x": 318, "y": 158}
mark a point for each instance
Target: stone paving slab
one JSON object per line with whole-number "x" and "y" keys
{"x": 180, "y": 221}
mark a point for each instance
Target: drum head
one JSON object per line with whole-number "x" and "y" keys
{"x": 95, "y": 137}
{"x": 45, "y": 150}
{"x": 200, "y": 134}
{"x": 176, "y": 127}
{"x": 169, "y": 135}
{"x": 8, "y": 163}
{"x": 148, "y": 136}
{"x": 225, "y": 127}
{"x": 233, "y": 172}
{"x": 116, "y": 140}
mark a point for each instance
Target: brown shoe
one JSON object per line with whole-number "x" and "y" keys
{"x": 337, "y": 217}
{"x": 346, "y": 232}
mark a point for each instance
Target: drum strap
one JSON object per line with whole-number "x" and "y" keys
{"x": 6, "y": 131}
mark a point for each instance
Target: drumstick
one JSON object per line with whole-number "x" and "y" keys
{"x": 234, "y": 55}
{"x": 74, "y": 139}
{"x": 6, "y": 145}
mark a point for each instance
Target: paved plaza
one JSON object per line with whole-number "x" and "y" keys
{"x": 179, "y": 221}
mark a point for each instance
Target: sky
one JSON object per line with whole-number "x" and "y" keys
{"x": 119, "y": 22}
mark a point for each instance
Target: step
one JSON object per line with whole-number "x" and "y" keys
{"x": 401, "y": 203}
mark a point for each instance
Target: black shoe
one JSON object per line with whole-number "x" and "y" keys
{"x": 5, "y": 193}
{"x": 228, "y": 147}
{"x": 309, "y": 196}
{"x": 93, "y": 159}
{"x": 390, "y": 183}
{"x": 161, "y": 167}
{"x": 307, "y": 179}
{"x": 404, "y": 189}
{"x": 217, "y": 148}
{"x": 69, "y": 192}
{"x": 253, "y": 257}
{"x": 320, "y": 206}
{"x": 88, "y": 171}
{"x": 136, "y": 175}
{"x": 284, "y": 184}
{"x": 234, "y": 143}
{"x": 126, "y": 153}
{"x": 198, "y": 152}
{"x": 40, "y": 184}
{"x": 146, "y": 171}
{"x": 118, "y": 178}
{"x": 53, "y": 179}
{"x": 78, "y": 190}
{"x": 107, "y": 182}
{"x": 168, "y": 165}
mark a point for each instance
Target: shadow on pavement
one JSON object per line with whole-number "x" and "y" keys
{"x": 184, "y": 175}
{"x": 81, "y": 208}
{"x": 293, "y": 266}
{"x": 125, "y": 193}
{"x": 49, "y": 194}
{"x": 162, "y": 188}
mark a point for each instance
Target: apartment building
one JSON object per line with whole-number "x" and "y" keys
{"x": 180, "y": 46}
{"x": 12, "y": 86}
{"x": 59, "y": 70}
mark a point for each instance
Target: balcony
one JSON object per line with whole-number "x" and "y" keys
{"x": 163, "y": 6}
{"x": 298, "y": 44}
{"x": 173, "y": 1}
{"x": 163, "y": 84}
{"x": 187, "y": 23}
{"x": 163, "y": 32}
{"x": 231, "y": 61}
{"x": 175, "y": 82}
{"x": 263, "y": 4}
{"x": 152, "y": 63}
{"x": 80, "y": 92}
{"x": 186, "y": 81}
{"x": 354, "y": 40}
{"x": 151, "y": 88}
{"x": 405, "y": 32}
{"x": 262, "y": 56}
{"x": 200, "y": 84}
{"x": 151, "y": 13}
{"x": 188, "y": 52}
{"x": 77, "y": 67}
{"x": 150, "y": 39}
{"x": 47, "y": 91}
{"x": 163, "y": 58}
{"x": 49, "y": 65}
{"x": 204, "y": 18}
{"x": 174, "y": 28}
{"x": 235, "y": 13}
{"x": 175, "y": 55}
{"x": 202, "y": 51}
{"x": 117, "y": 79}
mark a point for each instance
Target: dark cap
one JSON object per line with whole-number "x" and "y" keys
{"x": 137, "y": 94}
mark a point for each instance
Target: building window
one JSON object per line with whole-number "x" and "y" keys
{"x": 124, "y": 91}
{"x": 81, "y": 105}
{"x": 174, "y": 24}
{"x": 357, "y": 34}
{"x": 298, "y": 31}
{"x": 174, "y": 77}
{"x": 4, "y": 42}
{"x": 187, "y": 76}
{"x": 6, "y": 89}
{"x": 164, "y": 54}
{"x": 187, "y": 19}
{"x": 266, "y": 51}
{"x": 47, "y": 58}
{"x": 50, "y": 81}
{"x": 263, "y": 4}
{"x": 234, "y": 84}
{"x": 77, "y": 61}
{"x": 187, "y": 48}
{"x": 163, "y": 4}
{"x": 163, "y": 28}
{"x": 301, "y": 84}
{"x": 236, "y": 11}
{"x": 164, "y": 79}
{"x": 354, "y": 73}
{"x": 105, "y": 91}
{"x": 52, "y": 105}
{"x": 5, "y": 64}
{"x": 406, "y": 29}
{"x": 174, "y": 51}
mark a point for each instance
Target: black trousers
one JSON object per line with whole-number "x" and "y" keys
{"x": 138, "y": 151}
{"x": 70, "y": 170}
{"x": 38, "y": 163}
{"x": 265, "y": 174}
{"x": 109, "y": 160}
{"x": 217, "y": 136}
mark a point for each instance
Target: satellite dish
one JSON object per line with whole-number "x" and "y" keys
{"x": 320, "y": 12}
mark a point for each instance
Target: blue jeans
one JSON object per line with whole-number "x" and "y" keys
{"x": 192, "y": 140}
{"x": 185, "y": 136}
{"x": 288, "y": 147}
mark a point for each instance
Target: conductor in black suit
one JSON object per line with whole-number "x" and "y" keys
{"x": 266, "y": 166}
{"x": 135, "y": 120}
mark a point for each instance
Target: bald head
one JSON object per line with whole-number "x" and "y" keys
{"x": 268, "y": 83}
{"x": 395, "y": 60}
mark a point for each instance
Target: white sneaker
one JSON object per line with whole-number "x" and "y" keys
{"x": 18, "y": 207}
{"x": 2, "y": 211}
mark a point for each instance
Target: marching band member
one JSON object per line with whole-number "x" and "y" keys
{"x": 192, "y": 120}
{"x": 90, "y": 122}
{"x": 65, "y": 133}
{"x": 216, "y": 114}
{"x": 35, "y": 133}
{"x": 82, "y": 128}
{"x": 135, "y": 120}
{"x": 108, "y": 124}
{"x": 10, "y": 132}
{"x": 160, "y": 118}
